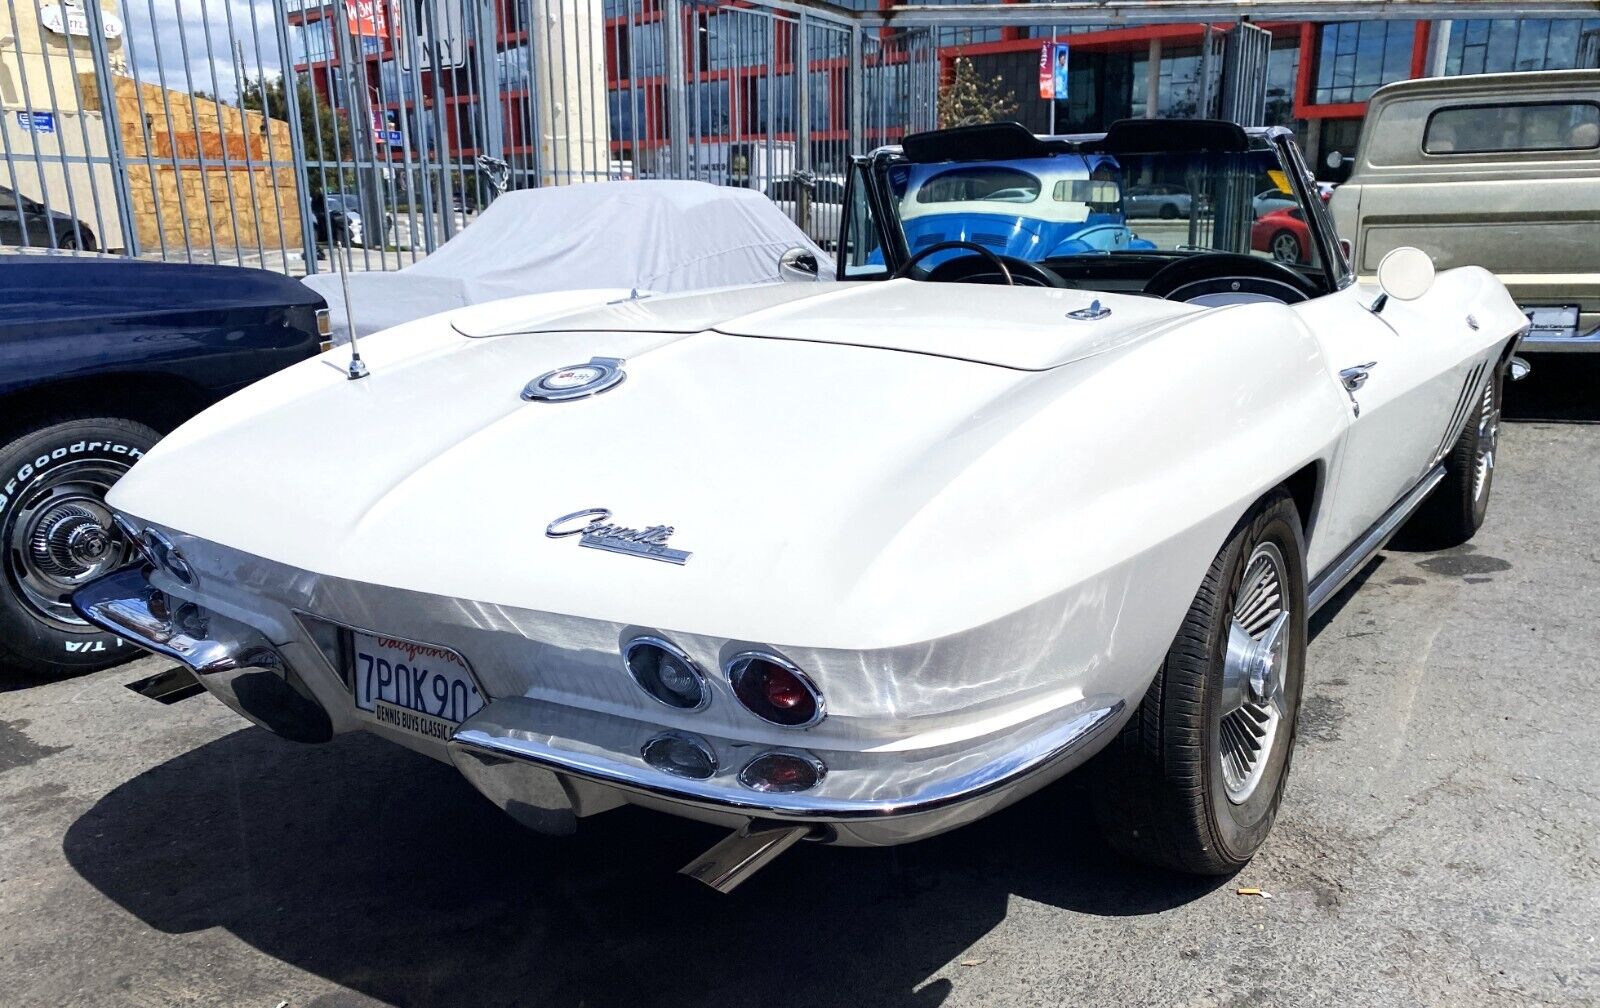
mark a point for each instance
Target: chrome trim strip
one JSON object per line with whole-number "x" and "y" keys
{"x": 1337, "y": 574}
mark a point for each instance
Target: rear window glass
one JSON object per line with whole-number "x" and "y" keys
{"x": 1001, "y": 184}
{"x": 1483, "y": 129}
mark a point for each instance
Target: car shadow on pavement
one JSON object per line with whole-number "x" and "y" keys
{"x": 384, "y": 872}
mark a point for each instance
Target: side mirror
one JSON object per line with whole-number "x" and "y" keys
{"x": 798, "y": 265}
{"x": 1519, "y": 369}
{"x": 1405, "y": 273}
{"x": 1336, "y": 160}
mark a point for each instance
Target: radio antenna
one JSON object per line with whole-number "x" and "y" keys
{"x": 357, "y": 368}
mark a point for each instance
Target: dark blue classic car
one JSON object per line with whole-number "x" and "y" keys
{"x": 100, "y": 356}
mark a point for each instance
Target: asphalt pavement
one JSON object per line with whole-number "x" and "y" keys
{"x": 1439, "y": 843}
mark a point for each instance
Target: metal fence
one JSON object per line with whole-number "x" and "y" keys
{"x": 277, "y": 132}
{"x": 273, "y": 132}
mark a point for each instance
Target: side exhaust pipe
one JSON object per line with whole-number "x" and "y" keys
{"x": 742, "y": 853}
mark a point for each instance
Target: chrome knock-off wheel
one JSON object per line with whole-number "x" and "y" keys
{"x": 1252, "y": 698}
{"x": 1488, "y": 437}
{"x": 62, "y": 536}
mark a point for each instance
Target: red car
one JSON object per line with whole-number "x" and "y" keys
{"x": 1283, "y": 233}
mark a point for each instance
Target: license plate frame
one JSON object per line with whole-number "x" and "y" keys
{"x": 394, "y": 710}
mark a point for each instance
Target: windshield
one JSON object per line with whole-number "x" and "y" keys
{"x": 1074, "y": 204}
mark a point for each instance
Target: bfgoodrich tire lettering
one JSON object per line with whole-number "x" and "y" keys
{"x": 55, "y": 533}
{"x": 1166, "y": 792}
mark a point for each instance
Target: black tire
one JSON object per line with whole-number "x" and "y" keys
{"x": 1168, "y": 211}
{"x": 55, "y": 533}
{"x": 1163, "y": 785}
{"x": 1285, "y": 247}
{"x": 1455, "y": 510}
{"x": 67, "y": 241}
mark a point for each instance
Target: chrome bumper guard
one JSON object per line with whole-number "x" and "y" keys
{"x": 536, "y": 759}
{"x": 548, "y": 764}
{"x": 231, "y": 660}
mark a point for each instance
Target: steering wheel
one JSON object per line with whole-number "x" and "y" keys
{"x": 1008, "y": 266}
{"x": 1218, "y": 278}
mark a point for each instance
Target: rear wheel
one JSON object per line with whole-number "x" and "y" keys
{"x": 1455, "y": 510}
{"x": 1194, "y": 780}
{"x": 56, "y": 534}
{"x": 1168, "y": 211}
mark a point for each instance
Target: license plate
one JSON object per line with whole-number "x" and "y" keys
{"x": 420, "y": 688}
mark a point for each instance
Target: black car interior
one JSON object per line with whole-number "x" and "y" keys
{"x": 1185, "y": 274}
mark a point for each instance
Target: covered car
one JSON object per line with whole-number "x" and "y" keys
{"x": 651, "y": 236}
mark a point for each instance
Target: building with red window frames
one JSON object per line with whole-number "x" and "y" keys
{"x": 741, "y": 88}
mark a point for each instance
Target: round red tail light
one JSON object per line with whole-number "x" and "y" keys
{"x": 773, "y": 689}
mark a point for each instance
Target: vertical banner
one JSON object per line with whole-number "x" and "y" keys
{"x": 1047, "y": 77}
{"x": 366, "y": 18}
{"x": 1059, "y": 71}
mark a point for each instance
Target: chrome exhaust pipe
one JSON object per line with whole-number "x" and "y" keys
{"x": 742, "y": 853}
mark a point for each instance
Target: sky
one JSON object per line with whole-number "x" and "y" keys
{"x": 173, "y": 25}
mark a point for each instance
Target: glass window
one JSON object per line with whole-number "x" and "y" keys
{"x": 1519, "y": 45}
{"x": 512, "y": 68}
{"x": 709, "y": 109}
{"x": 1550, "y": 126}
{"x": 981, "y": 183}
{"x": 861, "y": 246}
{"x": 316, "y": 43}
{"x": 8, "y": 199}
{"x": 1355, "y": 58}
{"x": 645, "y": 49}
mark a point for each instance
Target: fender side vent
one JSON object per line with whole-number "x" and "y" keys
{"x": 1467, "y": 398}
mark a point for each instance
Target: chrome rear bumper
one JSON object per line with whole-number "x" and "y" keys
{"x": 233, "y": 661}
{"x": 548, "y": 764}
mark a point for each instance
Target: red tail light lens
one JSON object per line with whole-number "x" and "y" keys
{"x": 775, "y": 690}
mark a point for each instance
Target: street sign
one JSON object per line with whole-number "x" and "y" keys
{"x": 441, "y": 37}
{"x": 37, "y": 122}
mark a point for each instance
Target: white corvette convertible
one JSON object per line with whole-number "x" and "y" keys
{"x": 858, "y": 561}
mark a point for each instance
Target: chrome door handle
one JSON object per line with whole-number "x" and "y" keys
{"x": 1354, "y": 377}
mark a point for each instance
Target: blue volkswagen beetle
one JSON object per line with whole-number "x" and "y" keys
{"x": 1033, "y": 209}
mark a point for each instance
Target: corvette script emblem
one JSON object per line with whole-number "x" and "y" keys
{"x": 598, "y": 533}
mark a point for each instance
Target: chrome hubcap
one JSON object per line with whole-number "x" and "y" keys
{"x": 1488, "y": 436}
{"x": 1252, "y": 672}
{"x": 61, "y": 536}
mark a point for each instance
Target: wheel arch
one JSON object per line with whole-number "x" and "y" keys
{"x": 159, "y": 401}
{"x": 1305, "y": 488}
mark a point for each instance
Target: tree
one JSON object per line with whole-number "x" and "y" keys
{"x": 326, "y": 133}
{"x": 967, "y": 99}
